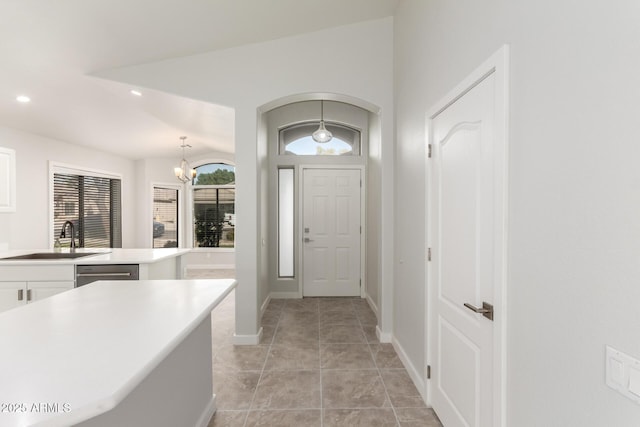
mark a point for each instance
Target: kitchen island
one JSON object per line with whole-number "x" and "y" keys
{"x": 112, "y": 353}
{"x": 23, "y": 280}
{"x": 153, "y": 262}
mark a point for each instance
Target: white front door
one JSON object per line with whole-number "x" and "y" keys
{"x": 466, "y": 222}
{"x": 331, "y": 232}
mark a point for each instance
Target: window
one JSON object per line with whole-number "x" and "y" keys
{"x": 214, "y": 213}
{"x": 296, "y": 140}
{"x": 93, "y": 205}
{"x": 286, "y": 230}
{"x": 165, "y": 217}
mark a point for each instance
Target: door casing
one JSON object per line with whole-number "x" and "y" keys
{"x": 497, "y": 64}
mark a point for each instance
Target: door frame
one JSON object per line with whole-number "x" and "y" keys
{"x": 363, "y": 216}
{"x": 497, "y": 65}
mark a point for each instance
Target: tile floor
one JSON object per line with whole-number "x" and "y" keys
{"x": 319, "y": 364}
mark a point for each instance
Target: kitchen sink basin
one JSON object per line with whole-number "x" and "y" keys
{"x": 50, "y": 255}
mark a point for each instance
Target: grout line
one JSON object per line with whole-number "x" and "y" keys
{"x": 264, "y": 364}
{"x": 320, "y": 371}
{"x": 386, "y": 392}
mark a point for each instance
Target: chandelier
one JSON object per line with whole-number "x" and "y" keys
{"x": 184, "y": 172}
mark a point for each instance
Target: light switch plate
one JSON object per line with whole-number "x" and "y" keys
{"x": 623, "y": 373}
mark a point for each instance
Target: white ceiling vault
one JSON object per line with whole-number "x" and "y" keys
{"x": 50, "y": 49}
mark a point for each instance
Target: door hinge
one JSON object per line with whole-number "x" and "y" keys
{"x": 428, "y": 372}
{"x": 361, "y": 283}
{"x": 360, "y": 229}
{"x": 429, "y": 150}
{"x": 429, "y": 254}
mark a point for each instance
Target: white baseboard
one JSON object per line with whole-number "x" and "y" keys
{"x": 414, "y": 373}
{"x": 204, "y": 419}
{"x": 384, "y": 337}
{"x": 285, "y": 295}
{"x": 372, "y": 305}
{"x": 264, "y": 306}
{"x": 248, "y": 339}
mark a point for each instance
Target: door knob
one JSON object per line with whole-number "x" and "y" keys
{"x": 486, "y": 310}
{"x": 307, "y": 240}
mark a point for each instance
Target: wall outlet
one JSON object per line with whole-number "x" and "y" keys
{"x": 623, "y": 374}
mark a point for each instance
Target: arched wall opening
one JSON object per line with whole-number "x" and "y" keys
{"x": 296, "y": 109}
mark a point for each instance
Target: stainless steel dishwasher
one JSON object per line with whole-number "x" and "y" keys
{"x": 86, "y": 274}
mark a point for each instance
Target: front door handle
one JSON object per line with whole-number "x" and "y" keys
{"x": 486, "y": 310}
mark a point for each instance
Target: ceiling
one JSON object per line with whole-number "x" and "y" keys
{"x": 49, "y": 49}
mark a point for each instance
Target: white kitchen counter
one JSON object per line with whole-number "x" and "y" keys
{"x": 105, "y": 256}
{"x": 81, "y": 353}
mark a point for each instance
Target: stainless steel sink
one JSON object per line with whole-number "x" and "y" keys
{"x": 51, "y": 255}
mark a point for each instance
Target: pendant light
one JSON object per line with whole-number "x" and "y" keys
{"x": 184, "y": 172}
{"x": 322, "y": 135}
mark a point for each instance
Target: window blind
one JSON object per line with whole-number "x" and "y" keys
{"x": 93, "y": 205}
{"x": 165, "y": 217}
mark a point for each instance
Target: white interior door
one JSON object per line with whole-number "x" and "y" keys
{"x": 466, "y": 224}
{"x": 331, "y": 232}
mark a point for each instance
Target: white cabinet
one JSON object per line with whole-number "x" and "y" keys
{"x": 12, "y": 294}
{"x": 15, "y": 294}
{"x": 7, "y": 180}
{"x": 20, "y": 285}
{"x": 39, "y": 290}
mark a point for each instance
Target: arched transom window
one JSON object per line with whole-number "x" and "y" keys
{"x": 296, "y": 140}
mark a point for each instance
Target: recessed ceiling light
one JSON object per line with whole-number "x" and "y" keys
{"x": 136, "y": 92}
{"x": 23, "y": 98}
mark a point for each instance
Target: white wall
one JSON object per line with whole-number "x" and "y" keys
{"x": 28, "y": 227}
{"x": 251, "y": 76}
{"x": 574, "y": 192}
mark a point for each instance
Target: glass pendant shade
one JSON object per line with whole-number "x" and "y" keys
{"x": 322, "y": 135}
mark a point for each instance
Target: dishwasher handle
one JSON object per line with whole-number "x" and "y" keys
{"x": 127, "y": 274}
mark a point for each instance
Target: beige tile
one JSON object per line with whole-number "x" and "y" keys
{"x": 338, "y": 318}
{"x": 359, "y": 418}
{"x": 367, "y": 317}
{"x": 295, "y": 318}
{"x": 385, "y": 356}
{"x": 268, "y": 331}
{"x": 353, "y": 389}
{"x": 270, "y": 318}
{"x": 417, "y": 417}
{"x": 285, "y": 418}
{"x": 335, "y": 304}
{"x": 346, "y": 356}
{"x": 234, "y": 390}
{"x": 293, "y": 357}
{"x": 304, "y": 304}
{"x": 298, "y": 334}
{"x": 288, "y": 390}
{"x": 345, "y": 334}
{"x": 228, "y": 419}
{"x": 370, "y": 334}
{"x": 240, "y": 357}
{"x": 276, "y": 303}
{"x": 402, "y": 392}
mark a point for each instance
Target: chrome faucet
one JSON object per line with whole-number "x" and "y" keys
{"x": 63, "y": 233}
